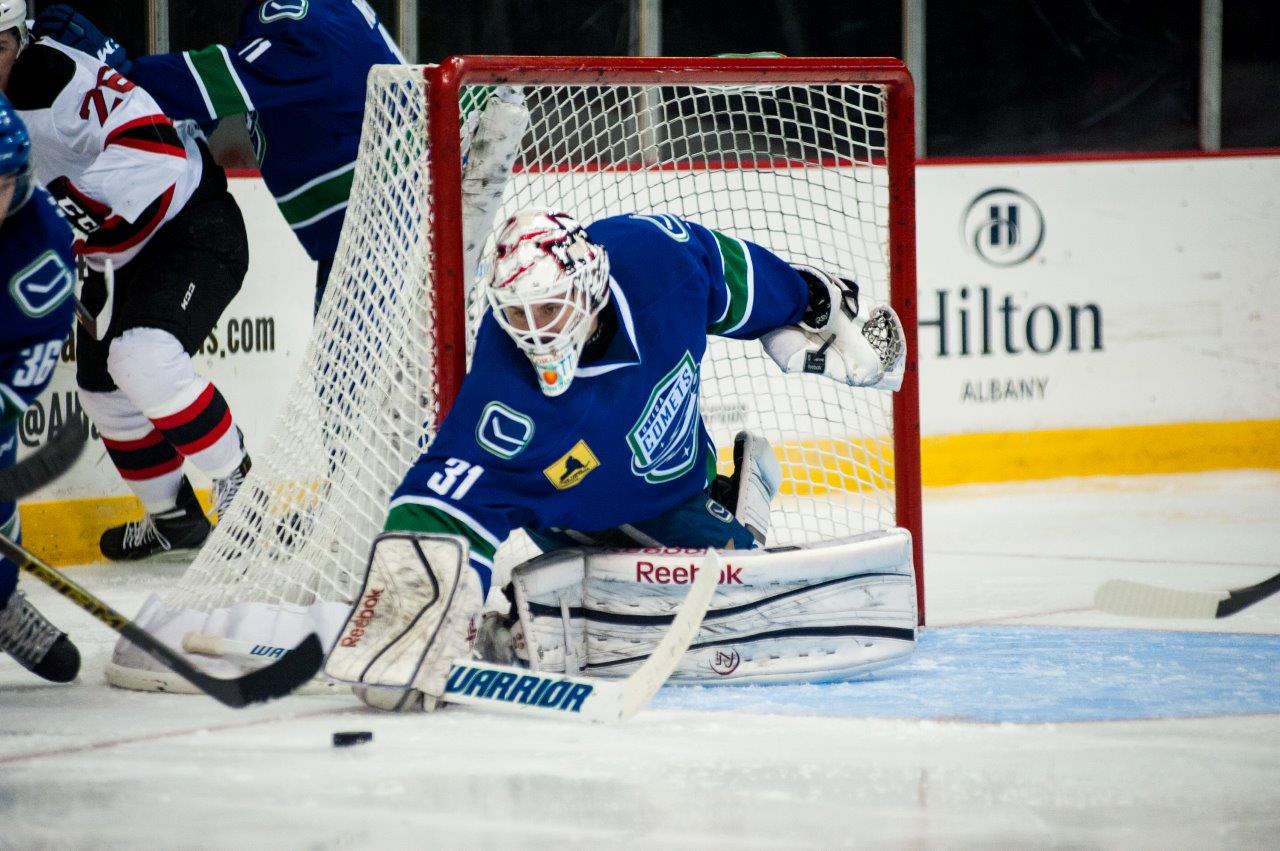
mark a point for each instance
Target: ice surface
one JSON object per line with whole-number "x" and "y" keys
{"x": 1002, "y": 731}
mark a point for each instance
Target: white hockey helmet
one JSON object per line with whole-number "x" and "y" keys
{"x": 546, "y": 283}
{"x": 13, "y": 15}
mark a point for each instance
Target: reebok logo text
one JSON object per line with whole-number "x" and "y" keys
{"x": 661, "y": 574}
{"x": 361, "y": 619}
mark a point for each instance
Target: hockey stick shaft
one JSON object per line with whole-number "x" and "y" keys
{"x": 290, "y": 671}
{"x": 47, "y": 463}
{"x": 641, "y": 686}
{"x": 1242, "y": 598}
{"x": 509, "y": 689}
{"x": 246, "y": 653}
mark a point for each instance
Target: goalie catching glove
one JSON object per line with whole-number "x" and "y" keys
{"x": 859, "y": 344}
{"x": 416, "y": 614}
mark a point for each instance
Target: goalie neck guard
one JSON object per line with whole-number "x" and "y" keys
{"x": 547, "y": 282}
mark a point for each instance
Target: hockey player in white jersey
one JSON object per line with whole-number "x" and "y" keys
{"x": 579, "y": 422}
{"x": 166, "y": 250}
{"x": 296, "y": 73}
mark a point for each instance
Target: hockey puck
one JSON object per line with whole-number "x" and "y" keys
{"x": 352, "y": 737}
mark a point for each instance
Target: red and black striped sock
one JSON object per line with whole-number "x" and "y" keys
{"x": 150, "y": 465}
{"x": 205, "y": 432}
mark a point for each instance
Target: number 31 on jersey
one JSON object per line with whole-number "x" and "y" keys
{"x": 455, "y": 479}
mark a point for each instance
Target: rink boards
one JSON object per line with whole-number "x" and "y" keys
{"x": 1076, "y": 318}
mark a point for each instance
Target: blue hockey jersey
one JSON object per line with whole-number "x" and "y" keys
{"x": 626, "y": 441}
{"x": 37, "y": 283}
{"x": 297, "y": 71}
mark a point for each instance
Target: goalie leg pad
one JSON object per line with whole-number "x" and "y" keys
{"x": 827, "y": 612}
{"x": 415, "y": 615}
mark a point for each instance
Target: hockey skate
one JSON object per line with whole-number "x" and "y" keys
{"x": 36, "y": 644}
{"x": 183, "y": 527}
{"x": 226, "y": 488}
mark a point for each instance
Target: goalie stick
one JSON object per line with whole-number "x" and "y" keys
{"x": 47, "y": 463}
{"x": 289, "y": 671}
{"x": 507, "y": 688}
{"x": 1137, "y": 599}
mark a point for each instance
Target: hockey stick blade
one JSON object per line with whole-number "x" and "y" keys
{"x": 518, "y": 690}
{"x": 1137, "y": 599}
{"x": 291, "y": 670}
{"x": 47, "y": 463}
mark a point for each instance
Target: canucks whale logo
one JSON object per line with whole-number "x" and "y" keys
{"x": 664, "y": 440}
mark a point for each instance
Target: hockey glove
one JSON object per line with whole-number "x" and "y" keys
{"x": 853, "y": 342}
{"x": 67, "y": 26}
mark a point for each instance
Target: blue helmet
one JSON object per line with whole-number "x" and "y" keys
{"x": 15, "y": 154}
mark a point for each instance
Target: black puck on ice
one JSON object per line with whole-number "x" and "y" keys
{"x": 352, "y": 737}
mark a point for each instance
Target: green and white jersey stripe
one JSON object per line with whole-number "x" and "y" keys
{"x": 12, "y": 527}
{"x": 220, "y": 86}
{"x": 740, "y": 284}
{"x": 424, "y": 514}
{"x": 318, "y": 197}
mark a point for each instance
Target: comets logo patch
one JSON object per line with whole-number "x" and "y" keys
{"x": 664, "y": 440}
{"x": 572, "y": 467}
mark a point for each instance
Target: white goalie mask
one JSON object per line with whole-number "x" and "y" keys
{"x": 546, "y": 283}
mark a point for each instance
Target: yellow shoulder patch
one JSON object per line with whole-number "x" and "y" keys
{"x": 572, "y": 467}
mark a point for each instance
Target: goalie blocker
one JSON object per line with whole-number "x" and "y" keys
{"x": 792, "y": 614}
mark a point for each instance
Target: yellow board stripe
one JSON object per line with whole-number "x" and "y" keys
{"x": 815, "y": 467}
{"x": 66, "y": 531}
{"x": 1117, "y": 451}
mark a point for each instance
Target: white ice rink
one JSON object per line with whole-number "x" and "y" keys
{"x": 1026, "y": 719}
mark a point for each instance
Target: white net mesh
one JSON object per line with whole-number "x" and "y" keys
{"x": 300, "y": 529}
{"x": 798, "y": 169}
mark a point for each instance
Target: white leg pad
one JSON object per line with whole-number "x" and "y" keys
{"x": 415, "y": 615}
{"x": 826, "y": 612}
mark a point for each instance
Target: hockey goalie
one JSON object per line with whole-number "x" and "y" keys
{"x": 579, "y": 422}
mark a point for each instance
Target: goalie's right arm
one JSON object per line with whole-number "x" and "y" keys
{"x": 840, "y": 336}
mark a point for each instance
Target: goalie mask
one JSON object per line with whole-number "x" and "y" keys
{"x": 547, "y": 281}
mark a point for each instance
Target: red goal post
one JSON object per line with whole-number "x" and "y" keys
{"x": 445, "y": 86}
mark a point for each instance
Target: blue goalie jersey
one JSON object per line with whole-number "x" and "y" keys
{"x": 626, "y": 441}
{"x": 36, "y": 303}
{"x": 298, "y": 72}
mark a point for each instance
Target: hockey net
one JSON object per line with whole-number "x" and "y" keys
{"x": 809, "y": 158}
